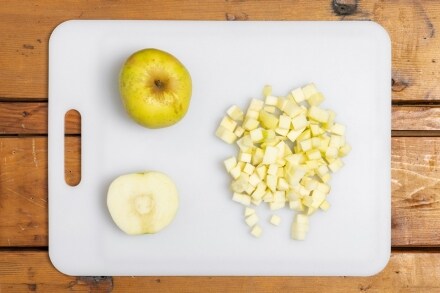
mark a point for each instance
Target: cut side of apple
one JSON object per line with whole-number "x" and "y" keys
{"x": 142, "y": 203}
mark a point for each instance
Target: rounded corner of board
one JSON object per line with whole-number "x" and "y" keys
{"x": 60, "y": 27}
{"x": 58, "y": 264}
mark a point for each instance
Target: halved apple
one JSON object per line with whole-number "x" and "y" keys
{"x": 142, "y": 203}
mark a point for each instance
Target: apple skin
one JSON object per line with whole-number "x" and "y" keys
{"x": 155, "y": 88}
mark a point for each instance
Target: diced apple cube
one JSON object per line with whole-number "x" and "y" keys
{"x": 239, "y": 131}
{"x": 302, "y": 219}
{"x": 261, "y": 171}
{"x": 282, "y": 131}
{"x": 316, "y": 99}
{"x": 298, "y": 95}
{"x": 240, "y": 184}
{"x": 306, "y": 134}
{"x": 292, "y": 109}
{"x": 256, "y": 202}
{"x": 270, "y": 155}
{"x": 338, "y": 129}
{"x": 228, "y": 123}
{"x": 322, "y": 170}
{"x": 244, "y": 157}
{"x": 256, "y": 135}
{"x": 270, "y": 109}
{"x": 256, "y": 105}
{"x": 254, "y": 179}
{"x": 336, "y": 141}
{"x": 336, "y": 165}
{"x": 309, "y": 90}
{"x": 295, "y": 175}
{"x": 250, "y": 124}
{"x": 267, "y": 90}
{"x": 259, "y": 192}
{"x": 284, "y": 122}
{"x": 282, "y": 184}
{"x": 256, "y": 231}
{"x": 281, "y": 103}
{"x": 344, "y": 150}
{"x": 249, "y": 189}
{"x": 271, "y": 100}
{"x": 331, "y": 120}
{"x": 273, "y": 169}
{"x": 296, "y": 205}
{"x": 318, "y": 197}
{"x": 235, "y": 172}
{"x": 225, "y": 135}
{"x": 325, "y": 205}
{"x": 313, "y": 154}
{"x": 241, "y": 198}
{"x": 325, "y": 178}
{"x": 248, "y": 211}
{"x": 293, "y": 134}
{"x": 332, "y": 152}
{"x": 252, "y": 220}
{"x": 316, "y": 142}
{"x": 271, "y": 182}
{"x": 268, "y": 121}
{"x": 248, "y": 169}
{"x": 307, "y": 201}
{"x": 245, "y": 143}
{"x": 277, "y": 205}
{"x": 316, "y": 130}
{"x": 323, "y": 188}
{"x": 275, "y": 220}
{"x": 257, "y": 157}
{"x": 230, "y": 163}
{"x": 235, "y": 113}
{"x": 296, "y": 159}
{"x": 318, "y": 114}
{"x": 306, "y": 145}
{"x": 252, "y": 114}
{"x": 279, "y": 196}
{"x": 268, "y": 197}
{"x": 299, "y": 122}
{"x": 280, "y": 172}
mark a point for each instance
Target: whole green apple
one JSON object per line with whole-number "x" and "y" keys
{"x": 155, "y": 88}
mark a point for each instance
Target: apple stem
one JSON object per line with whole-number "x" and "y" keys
{"x": 159, "y": 84}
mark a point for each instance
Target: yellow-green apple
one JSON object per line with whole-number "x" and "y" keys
{"x": 155, "y": 88}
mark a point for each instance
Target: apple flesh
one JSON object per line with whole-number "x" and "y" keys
{"x": 142, "y": 203}
{"x": 155, "y": 88}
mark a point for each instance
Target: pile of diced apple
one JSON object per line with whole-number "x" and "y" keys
{"x": 288, "y": 148}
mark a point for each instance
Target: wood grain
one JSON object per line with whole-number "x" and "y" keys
{"x": 411, "y": 25}
{"x": 415, "y": 191}
{"x": 31, "y": 118}
{"x": 406, "y": 272}
{"x": 416, "y": 118}
{"x": 23, "y": 190}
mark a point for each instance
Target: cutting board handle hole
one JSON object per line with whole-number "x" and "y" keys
{"x": 72, "y": 147}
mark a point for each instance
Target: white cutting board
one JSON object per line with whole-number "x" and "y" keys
{"x": 229, "y": 63}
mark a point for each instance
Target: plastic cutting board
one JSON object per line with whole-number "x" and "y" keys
{"x": 229, "y": 62}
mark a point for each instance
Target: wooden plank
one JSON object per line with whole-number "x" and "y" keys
{"x": 416, "y": 118}
{"x": 31, "y": 118}
{"x": 23, "y": 190}
{"x": 406, "y": 272}
{"x": 26, "y": 27}
{"x": 416, "y": 191}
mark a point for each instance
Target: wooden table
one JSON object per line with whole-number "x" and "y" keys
{"x": 25, "y": 27}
